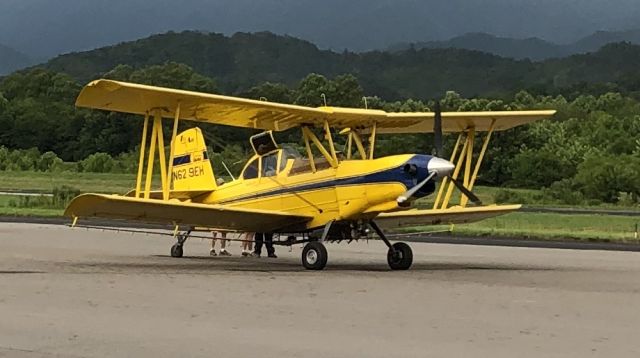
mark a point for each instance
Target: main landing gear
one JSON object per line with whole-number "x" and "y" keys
{"x": 399, "y": 256}
{"x": 314, "y": 256}
{"x": 176, "y": 249}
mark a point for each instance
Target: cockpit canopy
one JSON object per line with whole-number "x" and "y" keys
{"x": 271, "y": 163}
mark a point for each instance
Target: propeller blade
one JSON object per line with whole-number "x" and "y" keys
{"x": 466, "y": 191}
{"x": 437, "y": 129}
{"x": 411, "y": 192}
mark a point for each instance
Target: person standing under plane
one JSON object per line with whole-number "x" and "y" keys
{"x": 267, "y": 239}
{"x": 223, "y": 244}
{"x": 247, "y": 244}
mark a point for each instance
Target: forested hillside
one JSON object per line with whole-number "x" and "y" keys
{"x": 242, "y": 60}
{"x": 590, "y": 151}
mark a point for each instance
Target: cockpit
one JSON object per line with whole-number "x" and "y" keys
{"x": 271, "y": 159}
{"x": 271, "y": 163}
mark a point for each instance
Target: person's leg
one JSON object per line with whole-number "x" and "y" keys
{"x": 223, "y": 245}
{"x": 268, "y": 238}
{"x": 246, "y": 250}
{"x": 259, "y": 239}
{"x": 212, "y": 252}
{"x": 250, "y": 238}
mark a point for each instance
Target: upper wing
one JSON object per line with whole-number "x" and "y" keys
{"x": 453, "y": 215}
{"x": 240, "y": 112}
{"x": 181, "y": 213}
{"x": 455, "y": 122}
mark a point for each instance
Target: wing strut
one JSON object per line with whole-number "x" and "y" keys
{"x": 157, "y": 140}
{"x": 463, "y": 157}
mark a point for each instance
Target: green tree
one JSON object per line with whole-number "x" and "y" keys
{"x": 172, "y": 75}
{"x": 537, "y": 169}
{"x": 48, "y": 161}
{"x": 272, "y": 92}
{"x": 605, "y": 177}
{"x": 97, "y": 163}
{"x": 311, "y": 89}
{"x": 347, "y": 92}
{"x": 343, "y": 91}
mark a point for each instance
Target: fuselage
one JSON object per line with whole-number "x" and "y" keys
{"x": 355, "y": 189}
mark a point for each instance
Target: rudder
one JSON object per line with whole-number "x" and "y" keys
{"x": 192, "y": 169}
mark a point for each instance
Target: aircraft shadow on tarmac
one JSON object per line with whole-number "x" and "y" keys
{"x": 204, "y": 264}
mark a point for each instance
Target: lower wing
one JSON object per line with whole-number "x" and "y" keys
{"x": 453, "y": 215}
{"x": 181, "y": 213}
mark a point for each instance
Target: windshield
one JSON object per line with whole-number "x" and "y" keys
{"x": 251, "y": 171}
{"x": 289, "y": 152}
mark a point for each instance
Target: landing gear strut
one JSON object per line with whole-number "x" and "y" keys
{"x": 399, "y": 256}
{"x": 176, "y": 249}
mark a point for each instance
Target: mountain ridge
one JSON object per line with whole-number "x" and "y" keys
{"x": 244, "y": 60}
{"x": 532, "y": 48}
{"x": 45, "y": 28}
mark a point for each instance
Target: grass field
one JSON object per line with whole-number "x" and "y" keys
{"x": 534, "y": 225}
{"x": 7, "y": 210}
{"x": 85, "y": 182}
{"x": 484, "y": 193}
{"x": 550, "y": 226}
{"x": 121, "y": 183}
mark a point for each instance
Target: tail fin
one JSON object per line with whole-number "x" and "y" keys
{"x": 191, "y": 166}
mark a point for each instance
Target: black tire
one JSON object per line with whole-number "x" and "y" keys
{"x": 314, "y": 256}
{"x": 176, "y": 250}
{"x": 401, "y": 257}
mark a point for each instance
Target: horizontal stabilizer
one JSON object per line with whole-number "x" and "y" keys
{"x": 453, "y": 215}
{"x": 175, "y": 212}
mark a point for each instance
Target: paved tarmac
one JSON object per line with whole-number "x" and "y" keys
{"x": 76, "y": 293}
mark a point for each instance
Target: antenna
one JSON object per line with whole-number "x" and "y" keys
{"x": 228, "y": 171}
{"x": 324, "y": 98}
{"x": 366, "y": 105}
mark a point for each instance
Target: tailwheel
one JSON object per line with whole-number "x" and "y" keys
{"x": 314, "y": 256}
{"x": 400, "y": 256}
{"x": 176, "y": 250}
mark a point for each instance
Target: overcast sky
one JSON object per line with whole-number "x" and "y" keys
{"x": 48, "y": 27}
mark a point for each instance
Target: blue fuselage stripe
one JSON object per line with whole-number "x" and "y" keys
{"x": 392, "y": 175}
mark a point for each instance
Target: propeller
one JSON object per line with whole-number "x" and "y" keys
{"x": 437, "y": 142}
{"x": 437, "y": 129}
{"x": 468, "y": 193}
{"x": 409, "y": 193}
{"x": 438, "y": 166}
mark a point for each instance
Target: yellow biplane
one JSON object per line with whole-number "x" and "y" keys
{"x": 323, "y": 195}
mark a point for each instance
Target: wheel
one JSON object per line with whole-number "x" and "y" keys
{"x": 314, "y": 256}
{"x": 176, "y": 250}
{"x": 401, "y": 257}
